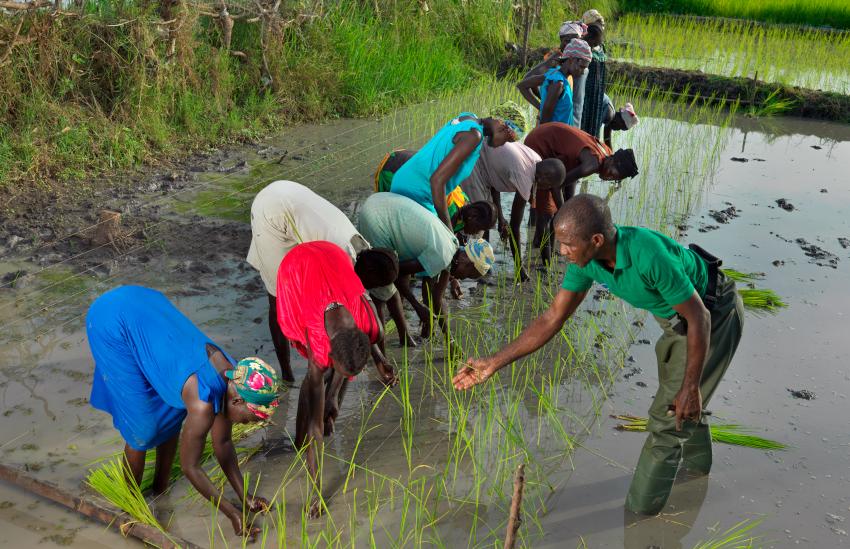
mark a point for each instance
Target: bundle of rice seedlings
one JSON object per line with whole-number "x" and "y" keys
{"x": 113, "y": 481}
{"x": 239, "y": 432}
{"x": 756, "y": 300}
{"x": 727, "y": 433}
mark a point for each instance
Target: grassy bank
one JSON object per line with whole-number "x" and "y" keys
{"x": 818, "y": 13}
{"x": 111, "y": 85}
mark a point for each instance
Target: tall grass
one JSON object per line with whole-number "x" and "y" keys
{"x": 727, "y": 433}
{"x": 98, "y": 93}
{"x": 801, "y": 57}
{"x": 819, "y": 13}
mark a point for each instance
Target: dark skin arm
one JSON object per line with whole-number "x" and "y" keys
{"x": 502, "y": 223}
{"x": 432, "y": 292}
{"x": 385, "y": 371}
{"x": 396, "y": 310}
{"x": 535, "y": 336}
{"x": 517, "y": 211}
{"x": 465, "y": 143}
{"x": 607, "y": 136}
{"x": 687, "y": 403}
{"x": 309, "y": 428}
{"x": 403, "y": 286}
{"x": 588, "y": 164}
{"x": 200, "y": 420}
{"x": 528, "y": 89}
{"x": 553, "y": 94}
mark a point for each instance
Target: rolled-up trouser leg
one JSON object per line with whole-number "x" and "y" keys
{"x": 664, "y": 447}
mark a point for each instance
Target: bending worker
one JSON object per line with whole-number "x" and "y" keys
{"x": 446, "y": 160}
{"x": 424, "y": 246}
{"x": 514, "y": 168}
{"x": 698, "y": 308}
{"x": 582, "y": 155}
{"x": 285, "y": 214}
{"x": 161, "y": 378}
{"x": 324, "y": 310}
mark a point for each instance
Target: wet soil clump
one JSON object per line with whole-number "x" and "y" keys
{"x": 818, "y": 255}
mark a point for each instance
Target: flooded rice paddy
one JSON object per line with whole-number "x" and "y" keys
{"x": 421, "y": 464}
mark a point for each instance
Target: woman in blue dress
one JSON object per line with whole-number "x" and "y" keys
{"x": 447, "y": 159}
{"x": 161, "y": 378}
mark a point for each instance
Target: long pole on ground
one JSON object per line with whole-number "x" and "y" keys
{"x": 514, "y": 519}
{"x": 112, "y": 519}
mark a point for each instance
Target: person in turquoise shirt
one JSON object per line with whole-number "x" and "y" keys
{"x": 697, "y": 307}
{"x": 556, "y": 89}
{"x": 447, "y": 159}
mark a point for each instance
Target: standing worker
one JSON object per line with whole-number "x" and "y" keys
{"x": 446, "y": 160}
{"x": 582, "y": 155}
{"x": 535, "y": 76}
{"x": 593, "y": 110}
{"x": 556, "y": 92}
{"x": 695, "y": 304}
{"x": 285, "y": 214}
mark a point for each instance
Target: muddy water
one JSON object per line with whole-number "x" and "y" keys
{"x": 48, "y": 426}
{"x": 798, "y": 492}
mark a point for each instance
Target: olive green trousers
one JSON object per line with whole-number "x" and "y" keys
{"x": 665, "y": 447}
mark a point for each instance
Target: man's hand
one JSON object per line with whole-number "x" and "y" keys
{"x": 687, "y": 405}
{"x": 477, "y": 370}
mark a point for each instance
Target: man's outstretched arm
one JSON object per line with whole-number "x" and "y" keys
{"x": 535, "y": 336}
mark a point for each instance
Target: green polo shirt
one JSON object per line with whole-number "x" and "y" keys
{"x": 653, "y": 272}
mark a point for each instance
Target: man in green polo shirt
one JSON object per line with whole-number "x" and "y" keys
{"x": 697, "y": 307}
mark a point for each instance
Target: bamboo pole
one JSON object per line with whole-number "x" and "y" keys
{"x": 514, "y": 519}
{"x": 91, "y": 509}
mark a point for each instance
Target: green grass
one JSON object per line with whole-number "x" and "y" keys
{"x": 801, "y": 57}
{"x": 819, "y": 13}
{"x": 756, "y": 300}
{"x": 106, "y": 96}
{"x": 738, "y": 536}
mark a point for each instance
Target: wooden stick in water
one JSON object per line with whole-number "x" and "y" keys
{"x": 514, "y": 519}
{"x": 93, "y": 510}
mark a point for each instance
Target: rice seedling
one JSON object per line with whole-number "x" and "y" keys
{"x": 735, "y": 48}
{"x": 829, "y": 13}
{"x": 727, "y": 433}
{"x": 113, "y": 481}
{"x": 739, "y": 536}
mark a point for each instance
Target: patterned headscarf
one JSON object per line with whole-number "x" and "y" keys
{"x": 572, "y": 27}
{"x": 592, "y": 16}
{"x": 257, "y": 383}
{"x": 577, "y": 48}
{"x": 481, "y": 254}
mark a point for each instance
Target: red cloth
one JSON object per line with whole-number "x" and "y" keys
{"x": 312, "y": 276}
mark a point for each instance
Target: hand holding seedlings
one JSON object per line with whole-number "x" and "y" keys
{"x": 477, "y": 370}
{"x": 244, "y": 530}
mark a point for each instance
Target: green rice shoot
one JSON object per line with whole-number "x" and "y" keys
{"x": 727, "y": 433}
{"x": 739, "y": 536}
{"x": 113, "y": 481}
